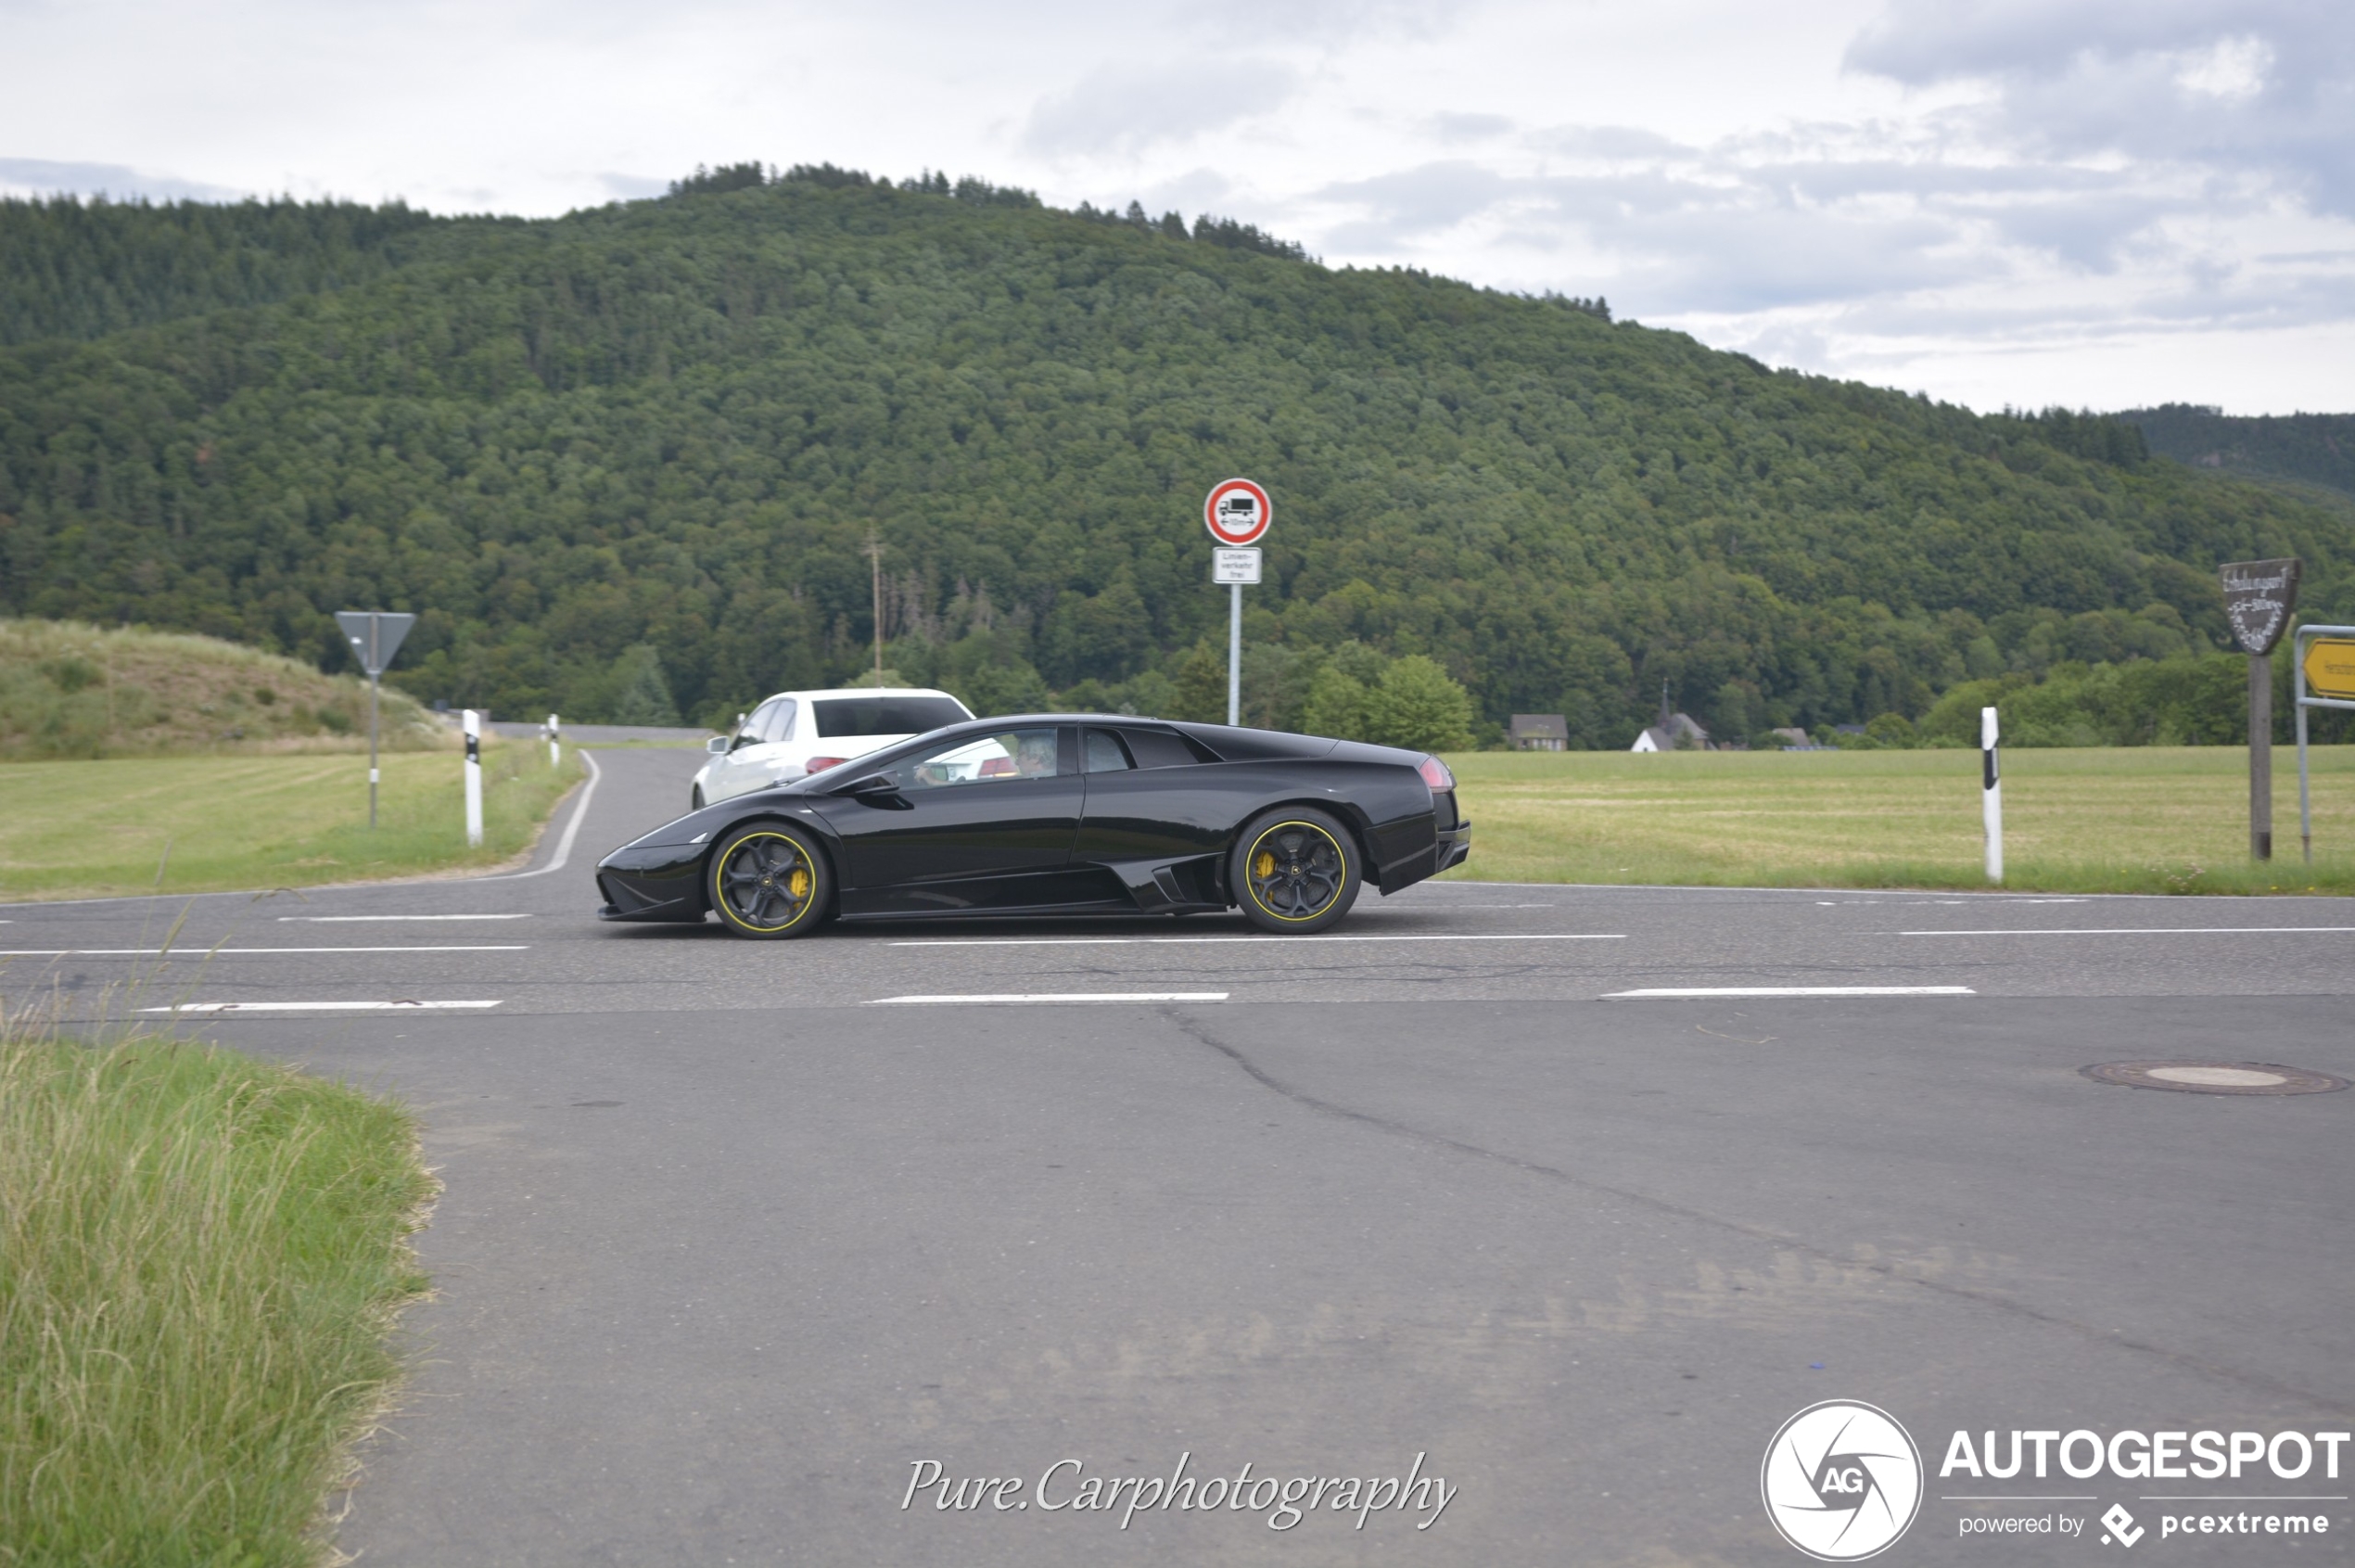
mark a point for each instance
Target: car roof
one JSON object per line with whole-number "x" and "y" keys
{"x": 862, "y": 692}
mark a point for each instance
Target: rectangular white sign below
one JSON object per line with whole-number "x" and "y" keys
{"x": 1227, "y": 565}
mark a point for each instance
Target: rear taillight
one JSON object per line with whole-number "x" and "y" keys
{"x": 1435, "y": 775}
{"x": 819, "y": 764}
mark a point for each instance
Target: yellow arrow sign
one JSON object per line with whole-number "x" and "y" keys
{"x": 2330, "y": 668}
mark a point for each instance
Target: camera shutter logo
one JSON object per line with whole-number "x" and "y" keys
{"x": 1842, "y": 1481}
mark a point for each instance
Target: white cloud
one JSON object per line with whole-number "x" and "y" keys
{"x": 2007, "y": 201}
{"x": 1123, "y": 110}
{"x": 41, "y": 176}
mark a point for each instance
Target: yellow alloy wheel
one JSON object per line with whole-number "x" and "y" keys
{"x": 761, "y": 883}
{"x": 1297, "y": 871}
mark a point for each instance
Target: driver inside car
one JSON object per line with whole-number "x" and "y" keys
{"x": 1035, "y": 755}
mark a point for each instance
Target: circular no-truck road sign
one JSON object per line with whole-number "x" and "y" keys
{"x": 1236, "y": 512}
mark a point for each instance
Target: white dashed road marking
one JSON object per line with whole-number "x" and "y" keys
{"x": 2143, "y": 931}
{"x": 219, "y": 952}
{"x": 1127, "y": 941}
{"x": 1069, "y": 996}
{"x": 319, "y": 1006}
{"x": 1792, "y": 991}
{"x": 350, "y": 919}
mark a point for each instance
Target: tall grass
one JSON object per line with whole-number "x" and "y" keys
{"x": 200, "y": 1255}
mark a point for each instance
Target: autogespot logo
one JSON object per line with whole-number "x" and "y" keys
{"x": 1841, "y": 1481}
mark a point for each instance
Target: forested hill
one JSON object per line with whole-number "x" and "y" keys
{"x": 642, "y": 448}
{"x": 2315, "y": 449}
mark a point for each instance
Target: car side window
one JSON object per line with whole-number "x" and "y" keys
{"x": 1105, "y": 754}
{"x": 1009, "y": 755}
{"x": 1158, "y": 748}
{"x": 780, "y": 725}
{"x": 750, "y": 731}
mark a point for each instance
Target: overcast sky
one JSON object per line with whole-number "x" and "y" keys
{"x": 2024, "y": 202}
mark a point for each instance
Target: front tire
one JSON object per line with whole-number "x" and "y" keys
{"x": 767, "y": 881}
{"x": 1294, "y": 872}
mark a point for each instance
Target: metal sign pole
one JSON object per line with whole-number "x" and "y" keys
{"x": 1236, "y": 512}
{"x": 2305, "y": 801}
{"x": 2324, "y": 661}
{"x": 375, "y": 636}
{"x": 373, "y": 684}
{"x": 1991, "y": 795}
{"x": 1235, "y": 654}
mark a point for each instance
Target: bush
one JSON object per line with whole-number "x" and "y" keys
{"x": 1419, "y": 706}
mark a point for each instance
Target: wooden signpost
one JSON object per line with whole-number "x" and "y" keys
{"x": 2258, "y": 597}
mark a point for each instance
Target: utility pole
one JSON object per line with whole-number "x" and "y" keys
{"x": 875, "y": 559}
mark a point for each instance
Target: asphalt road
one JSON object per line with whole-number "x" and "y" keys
{"x": 734, "y": 1241}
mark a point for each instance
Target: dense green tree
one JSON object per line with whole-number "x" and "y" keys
{"x": 1418, "y": 705}
{"x": 676, "y": 423}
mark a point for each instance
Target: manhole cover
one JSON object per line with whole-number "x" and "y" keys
{"x": 2214, "y": 1077}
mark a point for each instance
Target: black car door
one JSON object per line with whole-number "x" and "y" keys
{"x": 983, "y": 821}
{"x": 1151, "y": 802}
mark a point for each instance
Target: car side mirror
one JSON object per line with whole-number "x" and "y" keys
{"x": 717, "y": 745}
{"x": 873, "y": 784}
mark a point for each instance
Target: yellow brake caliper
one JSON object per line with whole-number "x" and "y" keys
{"x": 1264, "y": 867}
{"x": 799, "y": 883}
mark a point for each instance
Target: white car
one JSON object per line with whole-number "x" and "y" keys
{"x": 795, "y": 734}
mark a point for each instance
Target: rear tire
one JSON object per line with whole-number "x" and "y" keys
{"x": 767, "y": 881}
{"x": 1295, "y": 870}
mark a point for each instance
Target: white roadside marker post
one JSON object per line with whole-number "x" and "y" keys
{"x": 1992, "y": 796}
{"x": 556, "y": 738}
{"x": 474, "y": 779}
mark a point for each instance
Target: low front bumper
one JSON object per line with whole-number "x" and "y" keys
{"x": 659, "y": 883}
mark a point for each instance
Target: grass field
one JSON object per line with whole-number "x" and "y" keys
{"x": 74, "y": 830}
{"x": 201, "y": 1256}
{"x": 2126, "y": 820}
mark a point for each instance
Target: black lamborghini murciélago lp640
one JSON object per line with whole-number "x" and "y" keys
{"x": 1058, "y": 814}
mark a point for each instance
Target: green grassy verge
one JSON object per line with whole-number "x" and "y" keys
{"x": 201, "y": 1256}
{"x": 78, "y": 830}
{"x": 2112, "y": 820}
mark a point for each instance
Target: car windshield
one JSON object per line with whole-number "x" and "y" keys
{"x": 839, "y": 717}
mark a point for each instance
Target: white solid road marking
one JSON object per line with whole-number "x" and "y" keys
{"x": 572, "y": 828}
{"x": 346, "y": 919}
{"x": 316, "y": 1006}
{"x": 2142, "y": 931}
{"x": 1127, "y": 941}
{"x": 1796, "y": 990}
{"x": 211, "y": 952}
{"x": 1072, "y": 996}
